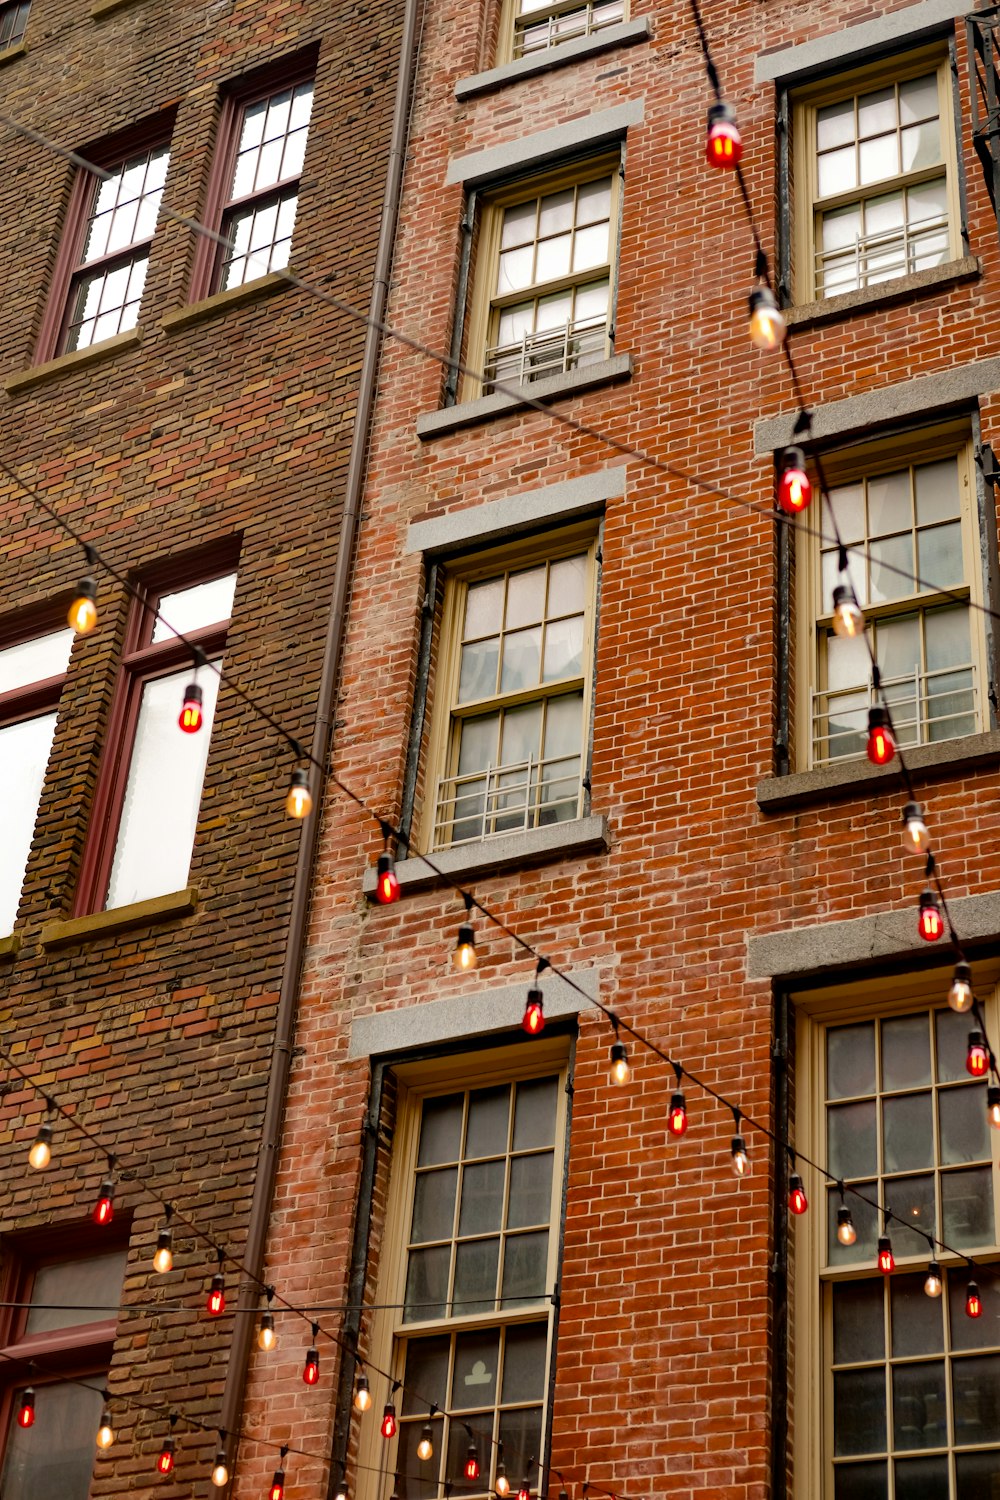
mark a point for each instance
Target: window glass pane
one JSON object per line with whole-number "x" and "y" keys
{"x": 891, "y": 568}
{"x": 878, "y": 158}
{"x": 835, "y": 125}
{"x": 920, "y": 146}
{"x": 567, "y": 586}
{"x": 483, "y": 608}
{"x": 921, "y": 1479}
{"x": 35, "y": 660}
{"x": 55, "y": 1457}
{"x": 590, "y": 247}
{"x": 976, "y": 1475}
{"x": 521, "y": 734}
{"x": 563, "y": 649}
{"x": 861, "y": 1481}
{"x": 93, "y": 1286}
{"x": 163, "y": 793}
{"x": 521, "y": 660}
{"x": 554, "y": 258}
{"x": 524, "y": 1266}
{"x": 939, "y": 556}
{"x": 974, "y": 1333}
{"x": 907, "y": 1133}
{"x": 521, "y": 1431}
{"x": 530, "y": 1191}
{"x": 847, "y": 665}
{"x": 976, "y": 1393}
{"x": 426, "y": 1377}
{"x": 525, "y": 598}
{"x": 952, "y": 1034}
{"x": 427, "y": 1284}
{"x": 906, "y": 1052}
{"x": 858, "y": 1411}
{"x": 877, "y": 111}
{"x": 962, "y": 1122}
{"x": 477, "y": 1361}
{"x": 967, "y": 1208}
{"x": 898, "y": 646}
{"x": 524, "y": 1363}
{"x": 535, "y": 1113}
{"x": 838, "y": 172}
{"x": 192, "y": 609}
{"x": 947, "y": 633}
{"x": 489, "y": 1111}
{"x": 911, "y": 1199}
{"x": 936, "y": 491}
{"x": 434, "y": 1205}
{"x": 476, "y": 1275}
{"x": 919, "y": 1418}
{"x": 482, "y": 1198}
{"x": 440, "y": 1130}
{"x": 593, "y": 201}
{"x": 858, "y": 1324}
{"x": 918, "y": 99}
{"x": 478, "y": 745}
{"x": 917, "y": 1320}
{"x": 850, "y": 1061}
{"x": 853, "y": 1144}
{"x": 478, "y": 671}
{"x": 865, "y": 1222}
{"x": 24, "y": 755}
{"x": 518, "y": 224}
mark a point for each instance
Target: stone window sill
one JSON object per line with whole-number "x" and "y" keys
{"x": 471, "y": 861}
{"x": 11, "y": 53}
{"x": 10, "y": 945}
{"x": 785, "y": 793}
{"x": 432, "y": 424}
{"x": 809, "y": 314}
{"x": 26, "y": 380}
{"x": 101, "y": 8}
{"x": 625, "y": 34}
{"x": 59, "y": 933}
{"x": 220, "y": 302}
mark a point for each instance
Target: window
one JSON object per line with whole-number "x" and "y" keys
{"x": 535, "y": 25}
{"x": 876, "y": 191}
{"x": 102, "y": 265}
{"x": 909, "y": 1384}
{"x": 509, "y": 746}
{"x": 13, "y": 20}
{"x": 255, "y": 194}
{"x": 32, "y": 672}
{"x": 911, "y": 505}
{"x": 544, "y": 279}
{"x": 151, "y": 779}
{"x": 472, "y": 1241}
{"x": 60, "y": 1344}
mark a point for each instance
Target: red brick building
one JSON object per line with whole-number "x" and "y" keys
{"x": 611, "y": 702}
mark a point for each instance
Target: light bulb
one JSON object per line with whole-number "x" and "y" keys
{"x": 620, "y": 1072}
{"x": 266, "y": 1336}
{"x": 216, "y": 1303}
{"x": 848, "y": 620}
{"x": 524, "y": 1493}
{"x": 960, "y": 994}
{"x": 797, "y": 1200}
{"x": 362, "y": 1395}
{"x": 741, "y": 1162}
{"x": 41, "y": 1151}
{"x": 677, "y": 1118}
{"x": 886, "y": 1263}
{"x": 104, "y": 1209}
{"x": 502, "y": 1484}
{"x": 915, "y": 834}
{"x": 977, "y": 1059}
{"x": 298, "y": 803}
{"x": 881, "y": 746}
{"x": 165, "y": 1462}
{"x": 846, "y": 1232}
{"x": 220, "y": 1474}
{"x": 163, "y": 1257}
{"x": 993, "y": 1105}
{"x": 933, "y": 1283}
{"x": 82, "y": 615}
{"x": 723, "y": 143}
{"x": 425, "y": 1448}
{"x": 26, "y": 1409}
{"x": 191, "y": 716}
{"x": 105, "y": 1433}
{"x": 973, "y": 1301}
{"x": 310, "y": 1370}
{"x": 930, "y": 922}
{"x": 533, "y": 1020}
{"x": 767, "y": 326}
{"x": 472, "y": 1463}
{"x": 344, "y": 1494}
{"x": 277, "y": 1490}
{"x": 464, "y": 955}
{"x": 794, "y": 489}
{"x": 386, "y": 880}
{"x": 389, "y": 1424}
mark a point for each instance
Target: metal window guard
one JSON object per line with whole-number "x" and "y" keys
{"x": 897, "y": 251}
{"x": 553, "y": 352}
{"x": 506, "y": 799}
{"x": 920, "y": 714}
{"x": 592, "y": 17}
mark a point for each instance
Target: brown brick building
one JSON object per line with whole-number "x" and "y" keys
{"x": 192, "y": 416}
{"x": 614, "y": 705}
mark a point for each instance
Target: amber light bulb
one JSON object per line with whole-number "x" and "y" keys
{"x": 220, "y": 1473}
{"x": 389, "y": 1424}
{"x": 977, "y": 1059}
{"x": 794, "y": 488}
{"x": 741, "y": 1162}
{"x": 993, "y": 1105}
{"x": 104, "y": 1209}
{"x": 502, "y": 1484}
{"x": 723, "y": 142}
{"x": 848, "y": 620}
{"x": 266, "y": 1336}
{"x": 105, "y": 1433}
{"x": 165, "y": 1462}
{"x": 881, "y": 747}
{"x": 216, "y": 1303}
{"x": 846, "y": 1232}
{"x": 960, "y": 995}
{"x": 886, "y": 1262}
{"x": 797, "y": 1200}
{"x": 934, "y": 1281}
{"x": 620, "y": 1072}
{"x": 191, "y": 716}
{"x": 41, "y": 1151}
{"x": 425, "y": 1448}
{"x": 973, "y": 1301}
{"x": 82, "y": 616}
{"x": 277, "y": 1490}
{"x": 533, "y": 1020}
{"x": 310, "y": 1370}
{"x": 767, "y": 326}
{"x": 26, "y": 1409}
{"x": 930, "y": 922}
{"x": 677, "y": 1117}
{"x": 915, "y": 834}
{"x": 464, "y": 954}
{"x": 298, "y": 803}
{"x": 386, "y": 880}
{"x": 163, "y": 1256}
{"x": 362, "y": 1394}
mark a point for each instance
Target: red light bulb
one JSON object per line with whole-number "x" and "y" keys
{"x": 388, "y": 1428}
{"x": 386, "y": 881}
{"x": 881, "y": 746}
{"x": 191, "y": 716}
{"x": 886, "y": 1263}
{"x": 104, "y": 1208}
{"x": 973, "y": 1301}
{"x": 797, "y": 1200}
{"x": 165, "y": 1462}
{"x": 533, "y": 1020}
{"x": 723, "y": 144}
{"x": 310, "y": 1370}
{"x": 26, "y": 1410}
{"x": 524, "y": 1493}
{"x": 472, "y": 1463}
{"x": 977, "y": 1059}
{"x": 930, "y": 922}
{"x": 794, "y": 489}
{"x": 277, "y": 1490}
{"x": 216, "y": 1303}
{"x": 677, "y": 1119}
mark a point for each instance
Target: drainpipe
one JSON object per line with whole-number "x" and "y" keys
{"x": 284, "y": 1033}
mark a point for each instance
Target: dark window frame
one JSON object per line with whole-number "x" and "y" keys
{"x": 20, "y": 10}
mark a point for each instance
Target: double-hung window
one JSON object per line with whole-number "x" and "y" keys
{"x": 151, "y": 778}
{"x": 545, "y": 275}
{"x": 471, "y": 1258}
{"x": 909, "y": 509}
{"x": 898, "y": 1391}
{"x": 32, "y": 671}
{"x": 530, "y": 26}
{"x": 875, "y": 172}
{"x": 13, "y": 21}
{"x": 510, "y": 738}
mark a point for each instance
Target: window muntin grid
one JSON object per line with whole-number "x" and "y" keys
{"x": 264, "y": 191}
{"x": 907, "y": 1127}
{"x": 13, "y": 21}
{"x": 106, "y": 290}
{"x": 908, "y": 519}
{"x": 538, "y": 24}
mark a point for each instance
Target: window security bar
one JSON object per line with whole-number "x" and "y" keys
{"x": 507, "y": 799}
{"x": 926, "y": 707}
{"x": 552, "y": 352}
{"x": 534, "y": 31}
{"x": 880, "y": 257}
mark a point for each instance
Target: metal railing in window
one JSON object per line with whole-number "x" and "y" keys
{"x": 552, "y": 352}
{"x": 926, "y": 707}
{"x": 548, "y": 25}
{"x": 880, "y": 257}
{"x": 506, "y": 799}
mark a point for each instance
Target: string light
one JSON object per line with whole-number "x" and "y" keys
{"x": 105, "y": 1433}
{"x": 386, "y": 881}
{"x": 960, "y": 995}
{"x": 524, "y": 1493}
{"x": 881, "y": 746}
{"x": 425, "y": 1448}
{"x": 915, "y": 834}
{"x": 471, "y": 1469}
{"x": 501, "y": 1484}
{"x": 797, "y": 1201}
{"x": 933, "y": 1282}
{"x": 930, "y": 922}
{"x": 82, "y": 616}
{"x": 464, "y": 955}
{"x": 310, "y": 1370}
{"x": 216, "y": 1302}
{"x": 533, "y": 1020}
{"x": 298, "y": 802}
{"x": 165, "y": 1461}
{"x": 267, "y": 1338}
{"x": 163, "y": 1256}
{"x": 104, "y": 1209}
{"x": 977, "y": 1059}
{"x": 973, "y": 1301}
{"x": 677, "y": 1118}
{"x": 277, "y": 1490}
{"x": 620, "y": 1072}
{"x": 220, "y": 1471}
{"x": 723, "y": 142}
{"x": 993, "y": 1105}
{"x": 886, "y": 1262}
{"x": 389, "y": 1424}
{"x": 767, "y": 326}
{"x": 26, "y": 1408}
{"x": 738, "y": 1148}
{"x": 846, "y": 1232}
{"x": 848, "y": 619}
{"x": 192, "y": 716}
{"x": 41, "y": 1151}
{"x": 342, "y": 1491}
{"x": 362, "y": 1394}
{"x": 794, "y": 488}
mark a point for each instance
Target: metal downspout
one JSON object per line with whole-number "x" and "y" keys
{"x": 281, "y": 1055}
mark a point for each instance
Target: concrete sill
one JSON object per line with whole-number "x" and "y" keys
{"x": 59, "y": 933}
{"x": 809, "y": 314}
{"x": 785, "y": 793}
{"x": 432, "y": 424}
{"x": 101, "y": 8}
{"x": 12, "y": 53}
{"x": 220, "y": 302}
{"x": 471, "y": 861}
{"x": 26, "y": 380}
{"x": 625, "y": 34}
{"x": 10, "y": 945}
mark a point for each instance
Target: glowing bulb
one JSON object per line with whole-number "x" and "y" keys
{"x": 977, "y": 1059}
{"x": 620, "y": 1071}
{"x": 362, "y": 1395}
{"x": 848, "y": 621}
{"x": 533, "y": 1019}
{"x": 266, "y": 1336}
{"x": 524, "y": 1493}
{"x": 389, "y": 1424}
{"x": 797, "y": 1200}
{"x": 741, "y": 1162}
{"x": 165, "y": 1462}
{"x": 993, "y": 1106}
{"x": 960, "y": 994}
{"x": 930, "y": 923}
{"x": 846, "y": 1232}
{"x": 216, "y": 1303}
{"x": 464, "y": 955}
{"x": 82, "y": 615}
{"x": 41, "y": 1151}
{"x": 881, "y": 746}
{"x": 933, "y": 1283}
{"x": 425, "y": 1448}
{"x": 220, "y": 1474}
{"x": 886, "y": 1263}
{"x": 104, "y": 1208}
{"x": 723, "y": 144}
{"x": 26, "y": 1409}
{"x": 298, "y": 803}
{"x": 277, "y": 1490}
{"x": 915, "y": 834}
{"x": 794, "y": 489}
{"x": 973, "y": 1301}
{"x": 502, "y": 1484}
{"x": 163, "y": 1257}
{"x": 310, "y": 1370}
{"x": 191, "y": 716}
{"x": 677, "y": 1118}
{"x": 105, "y": 1433}
{"x": 767, "y": 326}
{"x": 386, "y": 880}
{"x": 472, "y": 1463}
